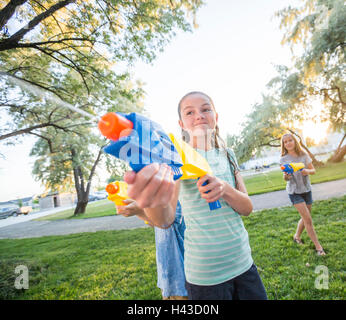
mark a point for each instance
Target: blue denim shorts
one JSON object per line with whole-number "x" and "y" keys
{"x": 247, "y": 286}
{"x": 301, "y": 197}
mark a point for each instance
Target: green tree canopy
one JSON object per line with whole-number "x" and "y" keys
{"x": 68, "y": 154}
{"x": 316, "y": 32}
{"x": 59, "y": 46}
{"x": 76, "y": 52}
{"x": 89, "y": 37}
{"x": 264, "y": 127}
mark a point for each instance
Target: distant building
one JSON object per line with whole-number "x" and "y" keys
{"x": 55, "y": 199}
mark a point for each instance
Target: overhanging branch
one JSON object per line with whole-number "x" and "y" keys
{"x": 12, "y": 41}
{"x": 7, "y": 12}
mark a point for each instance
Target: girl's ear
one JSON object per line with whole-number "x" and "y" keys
{"x": 217, "y": 117}
{"x": 181, "y": 124}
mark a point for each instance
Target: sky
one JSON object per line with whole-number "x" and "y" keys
{"x": 230, "y": 57}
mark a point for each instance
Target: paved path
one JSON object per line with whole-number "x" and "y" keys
{"x": 32, "y": 229}
{"x": 320, "y": 191}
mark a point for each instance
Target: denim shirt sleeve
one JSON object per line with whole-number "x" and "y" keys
{"x": 170, "y": 257}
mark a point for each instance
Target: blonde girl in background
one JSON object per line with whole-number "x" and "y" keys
{"x": 299, "y": 188}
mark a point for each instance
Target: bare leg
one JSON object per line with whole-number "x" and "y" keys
{"x": 307, "y": 221}
{"x": 301, "y": 227}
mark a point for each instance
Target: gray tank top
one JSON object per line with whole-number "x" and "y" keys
{"x": 298, "y": 183}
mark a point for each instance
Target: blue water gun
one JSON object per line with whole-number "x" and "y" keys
{"x": 140, "y": 141}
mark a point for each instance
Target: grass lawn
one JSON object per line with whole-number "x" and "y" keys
{"x": 94, "y": 209}
{"x": 273, "y": 181}
{"x": 121, "y": 264}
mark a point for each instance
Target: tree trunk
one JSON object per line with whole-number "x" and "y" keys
{"x": 81, "y": 206}
{"x": 82, "y": 195}
{"x": 82, "y": 192}
{"x": 338, "y": 156}
{"x": 315, "y": 162}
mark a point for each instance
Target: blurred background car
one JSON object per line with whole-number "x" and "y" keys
{"x": 99, "y": 195}
{"x": 9, "y": 210}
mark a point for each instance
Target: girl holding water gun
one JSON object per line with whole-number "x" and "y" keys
{"x": 218, "y": 261}
{"x": 299, "y": 187}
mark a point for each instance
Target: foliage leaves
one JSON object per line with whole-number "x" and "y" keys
{"x": 316, "y": 33}
{"x": 74, "y": 52}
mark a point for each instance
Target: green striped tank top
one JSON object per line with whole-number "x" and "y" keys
{"x": 216, "y": 242}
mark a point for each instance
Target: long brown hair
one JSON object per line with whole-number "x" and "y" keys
{"x": 217, "y": 142}
{"x": 297, "y": 148}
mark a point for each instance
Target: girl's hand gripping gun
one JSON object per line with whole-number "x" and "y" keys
{"x": 292, "y": 167}
{"x": 140, "y": 141}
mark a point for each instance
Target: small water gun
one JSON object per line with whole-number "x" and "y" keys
{"x": 292, "y": 167}
{"x": 140, "y": 141}
{"x": 117, "y": 192}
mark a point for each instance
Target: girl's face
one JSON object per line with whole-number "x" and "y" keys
{"x": 198, "y": 116}
{"x": 288, "y": 142}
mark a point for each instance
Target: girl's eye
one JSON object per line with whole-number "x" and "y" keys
{"x": 206, "y": 110}
{"x": 189, "y": 113}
